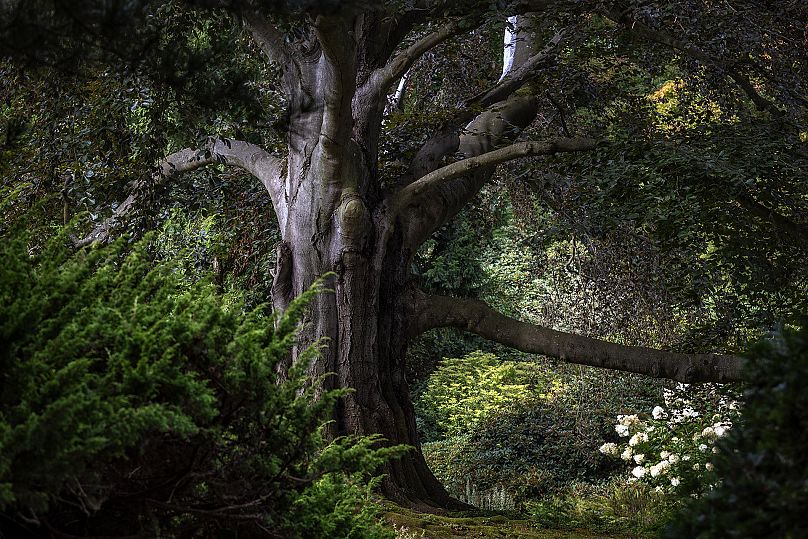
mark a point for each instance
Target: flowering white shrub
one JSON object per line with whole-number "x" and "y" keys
{"x": 671, "y": 447}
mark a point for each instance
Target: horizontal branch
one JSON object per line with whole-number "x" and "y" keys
{"x": 477, "y": 317}
{"x": 244, "y": 155}
{"x": 492, "y": 158}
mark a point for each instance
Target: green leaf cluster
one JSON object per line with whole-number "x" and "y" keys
{"x": 464, "y": 391}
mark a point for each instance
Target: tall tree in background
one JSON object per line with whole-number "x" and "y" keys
{"x": 339, "y": 211}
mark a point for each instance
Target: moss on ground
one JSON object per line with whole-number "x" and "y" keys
{"x": 480, "y": 524}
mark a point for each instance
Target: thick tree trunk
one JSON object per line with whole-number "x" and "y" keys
{"x": 361, "y": 326}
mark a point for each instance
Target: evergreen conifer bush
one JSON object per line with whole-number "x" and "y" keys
{"x": 135, "y": 402}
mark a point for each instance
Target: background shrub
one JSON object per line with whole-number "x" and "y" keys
{"x": 527, "y": 427}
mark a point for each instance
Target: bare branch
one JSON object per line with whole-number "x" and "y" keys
{"x": 521, "y": 75}
{"x": 433, "y": 151}
{"x": 492, "y": 128}
{"x": 245, "y": 155}
{"x": 437, "y": 146}
{"x": 659, "y": 36}
{"x": 477, "y": 317}
{"x": 492, "y": 158}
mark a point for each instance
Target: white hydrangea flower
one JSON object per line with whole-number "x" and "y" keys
{"x": 696, "y": 467}
{"x": 638, "y": 472}
{"x": 702, "y": 447}
{"x": 660, "y": 469}
{"x": 719, "y": 430}
{"x": 709, "y": 467}
{"x": 638, "y": 438}
{"x": 639, "y": 458}
{"x": 715, "y": 450}
{"x": 659, "y": 413}
{"x": 673, "y": 458}
{"x": 686, "y": 458}
{"x": 626, "y": 454}
{"x": 609, "y": 448}
{"x": 622, "y": 430}
{"x": 664, "y": 454}
{"x": 708, "y": 433}
{"x": 675, "y": 481}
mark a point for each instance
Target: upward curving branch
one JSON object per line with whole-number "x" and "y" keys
{"x": 402, "y": 62}
{"x": 247, "y": 156}
{"x": 519, "y": 76}
{"x": 411, "y": 193}
{"x": 445, "y": 141}
{"x": 472, "y": 315}
{"x": 269, "y": 38}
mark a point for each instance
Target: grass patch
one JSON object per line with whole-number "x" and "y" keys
{"x": 481, "y": 524}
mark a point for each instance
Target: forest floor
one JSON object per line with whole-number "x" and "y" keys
{"x": 482, "y": 524}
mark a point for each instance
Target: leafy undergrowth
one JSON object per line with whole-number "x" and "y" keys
{"x": 479, "y": 524}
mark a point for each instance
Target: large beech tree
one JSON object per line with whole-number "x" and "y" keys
{"x": 339, "y": 214}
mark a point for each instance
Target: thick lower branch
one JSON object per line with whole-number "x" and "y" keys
{"x": 477, "y": 317}
{"x": 401, "y": 63}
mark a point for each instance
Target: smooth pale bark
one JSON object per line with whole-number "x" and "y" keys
{"x": 411, "y": 193}
{"x": 509, "y": 44}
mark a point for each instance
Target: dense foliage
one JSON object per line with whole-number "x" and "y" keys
{"x": 134, "y": 399}
{"x": 762, "y": 464}
{"x": 522, "y": 428}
